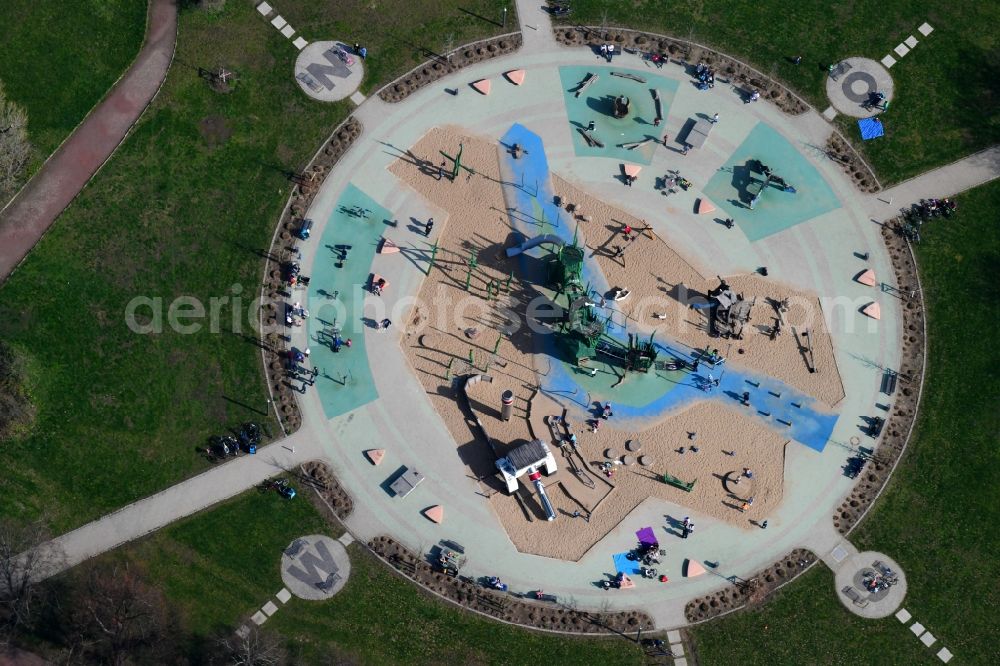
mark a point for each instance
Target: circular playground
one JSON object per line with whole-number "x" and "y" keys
{"x": 598, "y": 326}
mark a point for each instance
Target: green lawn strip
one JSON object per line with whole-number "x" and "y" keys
{"x": 176, "y": 212}
{"x": 60, "y": 58}
{"x": 381, "y": 619}
{"x": 805, "y": 624}
{"x": 937, "y": 518}
{"x": 219, "y": 566}
{"x": 945, "y": 103}
{"x": 400, "y": 35}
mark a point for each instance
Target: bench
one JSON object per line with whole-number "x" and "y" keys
{"x": 853, "y": 595}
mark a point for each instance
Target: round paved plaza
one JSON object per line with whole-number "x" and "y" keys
{"x": 783, "y": 406}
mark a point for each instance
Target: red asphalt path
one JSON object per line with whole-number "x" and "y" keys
{"x": 33, "y": 210}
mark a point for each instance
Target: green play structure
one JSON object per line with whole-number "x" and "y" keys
{"x": 677, "y": 483}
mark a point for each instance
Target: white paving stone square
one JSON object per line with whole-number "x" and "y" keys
{"x": 288, "y": 31}
{"x": 680, "y": 661}
{"x": 910, "y": 41}
{"x": 903, "y": 615}
{"x": 676, "y": 649}
{"x": 259, "y": 618}
{"x": 925, "y": 29}
{"x": 888, "y": 61}
{"x": 279, "y": 22}
{"x": 944, "y": 654}
{"x": 243, "y": 631}
{"x": 830, "y": 113}
{"x": 284, "y": 595}
{"x": 917, "y": 628}
{"x": 673, "y": 636}
{"x": 928, "y": 639}
{"x": 901, "y": 50}
{"x": 264, "y": 9}
{"x": 838, "y": 554}
{"x": 270, "y": 608}
{"x": 346, "y": 538}
{"x": 300, "y": 43}
{"x": 357, "y": 97}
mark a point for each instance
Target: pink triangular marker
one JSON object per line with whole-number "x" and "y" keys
{"x": 694, "y": 569}
{"x": 483, "y": 86}
{"x": 435, "y": 514}
{"x": 625, "y": 583}
{"x": 873, "y": 310}
{"x": 516, "y": 76}
{"x": 388, "y": 247}
{"x": 375, "y": 455}
{"x": 866, "y": 277}
{"x": 632, "y": 169}
{"x": 705, "y": 207}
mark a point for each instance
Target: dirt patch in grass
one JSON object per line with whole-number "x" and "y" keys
{"x": 214, "y": 130}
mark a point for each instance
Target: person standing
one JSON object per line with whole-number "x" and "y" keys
{"x": 763, "y": 525}
{"x": 386, "y": 323}
{"x": 591, "y": 125}
{"x": 715, "y": 118}
{"x": 428, "y": 226}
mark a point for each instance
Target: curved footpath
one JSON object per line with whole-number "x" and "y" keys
{"x": 32, "y": 211}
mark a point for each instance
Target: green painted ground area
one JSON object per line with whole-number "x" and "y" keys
{"x": 595, "y": 104}
{"x": 775, "y": 210}
{"x": 337, "y": 295}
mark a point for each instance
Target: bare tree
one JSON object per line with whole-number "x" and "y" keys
{"x": 24, "y": 554}
{"x": 253, "y": 647}
{"x": 117, "y": 617}
{"x": 15, "y": 149}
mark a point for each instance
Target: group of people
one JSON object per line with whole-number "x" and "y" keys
{"x": 705, "y": 76}
{"x": 293, "y": 313}
{"x": 607, "y": 50}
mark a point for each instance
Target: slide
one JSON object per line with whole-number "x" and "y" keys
{"x": 535, "y": 242}
{"x": 536, "y": 478}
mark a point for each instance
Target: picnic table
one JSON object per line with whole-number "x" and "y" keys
{"x": 407, "y": 481}
{"x": 699, "y": 133}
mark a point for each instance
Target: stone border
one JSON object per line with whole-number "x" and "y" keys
{"x": 507, "y": 608}
{"x": 754, "y": 592}
{"x": 899, "y": 426}
{"x": 687, "y": 51}
{"x": 439, "y": 67}
{"x": 307, "y": 185}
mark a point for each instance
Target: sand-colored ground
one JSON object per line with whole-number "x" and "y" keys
{"x": 437, "y": 346}
{"x": 662, "y": 282}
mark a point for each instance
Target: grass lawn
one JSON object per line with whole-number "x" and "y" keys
{"x": 59, "y": 58}
{"x": 402, "y": 34}
{"x": 182, "y": 209}
{"x": 219, "y": 566}
{"x": 946, "y": 101}
{"x": 938, "y": 517}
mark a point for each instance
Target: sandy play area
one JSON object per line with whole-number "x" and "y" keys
{"x": 662, "y": 282}
{"x": 453, "y": 332}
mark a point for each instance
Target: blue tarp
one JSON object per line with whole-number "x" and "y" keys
{"x": 871, "y": 128}
{"x": 625, "y": 565}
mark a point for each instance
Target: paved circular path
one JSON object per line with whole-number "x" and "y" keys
{"x": 851, "y": 575}
{"x": 315, "y": 567}
{"x": 850, "y": 89}
{"x": 328, "y": 71}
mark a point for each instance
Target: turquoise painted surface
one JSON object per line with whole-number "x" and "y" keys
{"x": 336, "y": 298}
{"x": 595, "y": 104}
{"x": 776, "y": 210}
